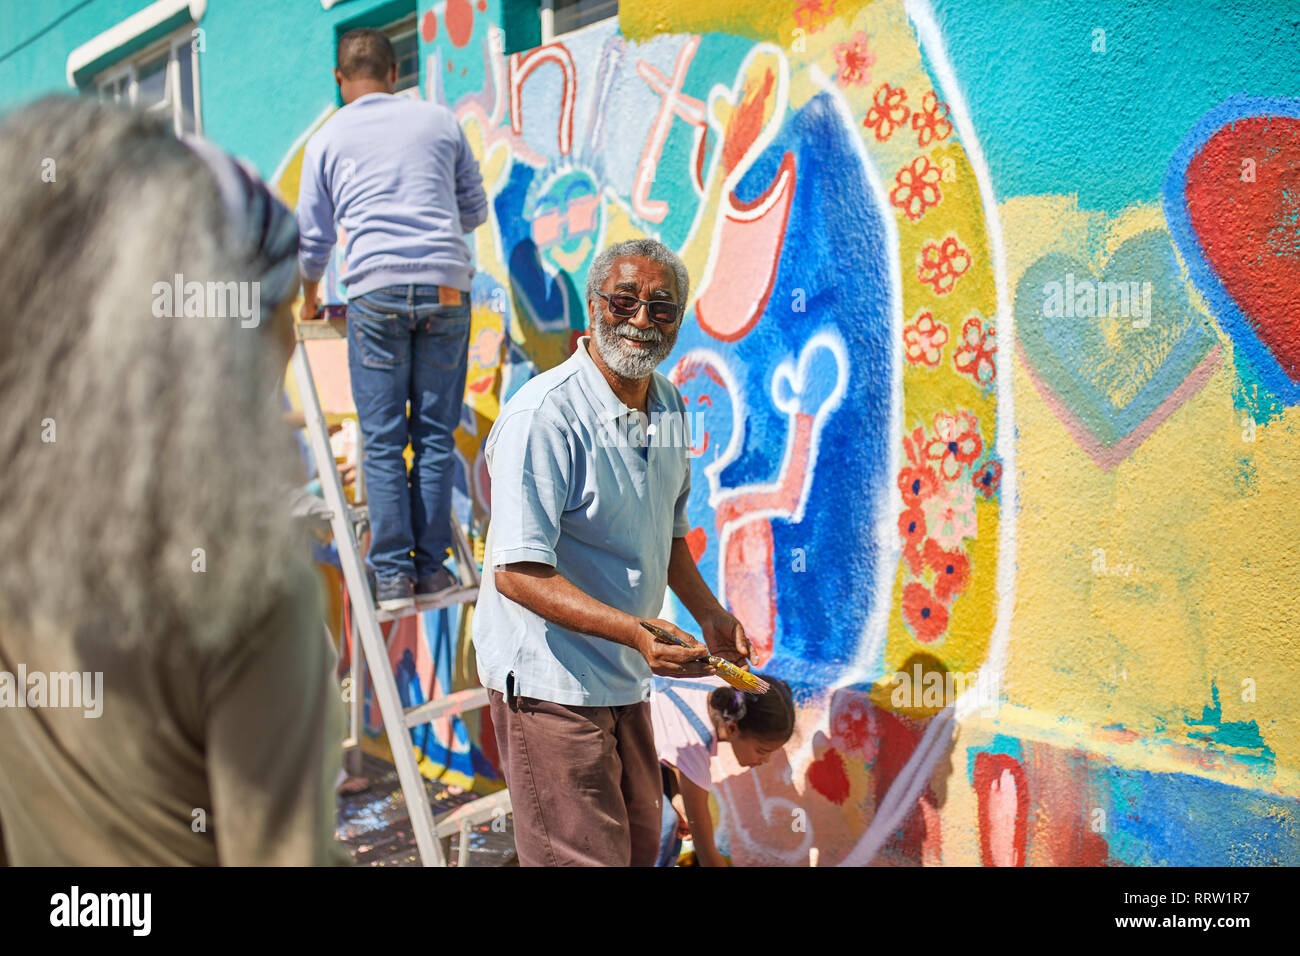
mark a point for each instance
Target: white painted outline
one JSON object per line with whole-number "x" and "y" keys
{"x": 522, "y": 66}
{"x": 611, "y": 58}
{"x": 672, "y": 106}
{"x": 496, "y": 73}
{"x": 791, "y": 371}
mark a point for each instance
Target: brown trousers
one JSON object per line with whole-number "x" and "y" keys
{"x": 584, "y": 781}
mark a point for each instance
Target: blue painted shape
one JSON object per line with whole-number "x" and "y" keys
{"x": 410, "y": 692}
{"x": 549, "y": 301}
{"x": 1164, "y": 819}
{"x": 840, "y": 264}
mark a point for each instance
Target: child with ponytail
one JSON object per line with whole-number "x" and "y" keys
{"x": 690, "y": 718}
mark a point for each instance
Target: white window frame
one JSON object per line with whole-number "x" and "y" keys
{"x": 547, "y": 16}
{"x": 181, "y": 55}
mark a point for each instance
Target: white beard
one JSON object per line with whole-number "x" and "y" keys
{"x": 627, "y": 361}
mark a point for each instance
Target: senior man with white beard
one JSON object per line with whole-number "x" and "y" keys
{"x": 586, "y": 533}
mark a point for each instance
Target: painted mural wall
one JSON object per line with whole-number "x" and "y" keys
{"x": 1035, "y": 600}
{"x": 993, "y": 342}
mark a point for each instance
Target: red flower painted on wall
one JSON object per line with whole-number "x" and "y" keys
{"x": 951, "y": 570}
{"x": 939, "y": 515}
{"x": 975, "y": 351}
{"x": 854, "y": 61}
{"x": 927, "y": 617}
{"x": 931, "y": 120}
{"x": 916, "y": 483}
{"x": 888, "y": 111}
{"x": 956, "y": 444}
{"x": 911, "y": 527}
{"x": 813, "y": 15}
{"x": 917, "y": 188}
{"x": 924, "y": 339}
{"x": 942, "y": 264}
{"x": 987, "y": 478}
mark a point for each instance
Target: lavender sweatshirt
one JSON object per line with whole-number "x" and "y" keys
{"x": 397, "y": 175}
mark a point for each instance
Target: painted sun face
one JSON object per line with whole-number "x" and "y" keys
{"x": 566, "y": 221}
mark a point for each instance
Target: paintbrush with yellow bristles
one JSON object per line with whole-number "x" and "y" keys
{"x": 737, "y": 677}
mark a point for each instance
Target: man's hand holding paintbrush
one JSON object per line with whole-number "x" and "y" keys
{"x": 735, "y": 675}
{"x": 682, "y": 657}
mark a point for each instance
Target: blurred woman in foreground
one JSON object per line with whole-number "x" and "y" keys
{"x": 144, "y": 535}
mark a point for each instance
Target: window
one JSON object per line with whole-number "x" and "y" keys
{"x": 565, "y": 16}
{"x": 163, "y": 79}
{"x": 406, "y": 48}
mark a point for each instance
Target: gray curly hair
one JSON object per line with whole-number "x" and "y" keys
{"x": 651, "y": 249}
{"x": 169, "y": 438}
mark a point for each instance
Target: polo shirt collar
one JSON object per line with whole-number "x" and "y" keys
{"x": 611, "y": 406}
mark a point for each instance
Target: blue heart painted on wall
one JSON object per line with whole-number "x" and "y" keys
{"x": 1113, "y": 355}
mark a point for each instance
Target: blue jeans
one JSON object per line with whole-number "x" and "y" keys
{"x": 670, "y": 844}
{"x": 403, "y": 346}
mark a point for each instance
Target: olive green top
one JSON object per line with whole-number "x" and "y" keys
{"x": 227, "y": 757}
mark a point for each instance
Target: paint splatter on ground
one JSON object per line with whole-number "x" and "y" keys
{"x": 377, "y": 830}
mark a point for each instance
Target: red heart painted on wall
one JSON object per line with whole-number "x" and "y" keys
{"x": 828, "y": 777}
{"x": 1250, "y": 230}
{"x": 1232, "y": 200}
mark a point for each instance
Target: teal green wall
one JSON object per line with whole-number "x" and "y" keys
{"x": 265, "y": 73}
{"x": 33, "y": 53}
{"x": 1043, "y": 104}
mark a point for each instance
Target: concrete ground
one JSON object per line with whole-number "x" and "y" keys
{"x": 377, "y": 830}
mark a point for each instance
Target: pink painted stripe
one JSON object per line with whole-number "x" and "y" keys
{"x": 1108, "y": 456}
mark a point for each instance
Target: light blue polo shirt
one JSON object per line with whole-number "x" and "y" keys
{"x": 566, "y": 492}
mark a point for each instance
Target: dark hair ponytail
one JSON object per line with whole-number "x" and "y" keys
{"x": 767, "y": 716}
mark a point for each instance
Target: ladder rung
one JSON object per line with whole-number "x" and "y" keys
{"x": 477, "y": 811}
{"x": 461, "y": 595}
{"x": 458, "y": 703}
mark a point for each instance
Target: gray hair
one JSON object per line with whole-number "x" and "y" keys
{"x": 166, "y": 436}
{"x": 651, "y": 249}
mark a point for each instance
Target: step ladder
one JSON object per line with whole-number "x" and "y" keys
{"x": 369, "y": 651}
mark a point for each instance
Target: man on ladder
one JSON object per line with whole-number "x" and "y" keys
{"x": 399, "y": 176}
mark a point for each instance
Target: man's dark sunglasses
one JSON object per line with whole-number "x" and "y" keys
{"x": 625, "y": 306}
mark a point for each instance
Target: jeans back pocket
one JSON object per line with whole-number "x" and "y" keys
{"x": 442, "y": 336}
{"x": 381, "y": 337}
